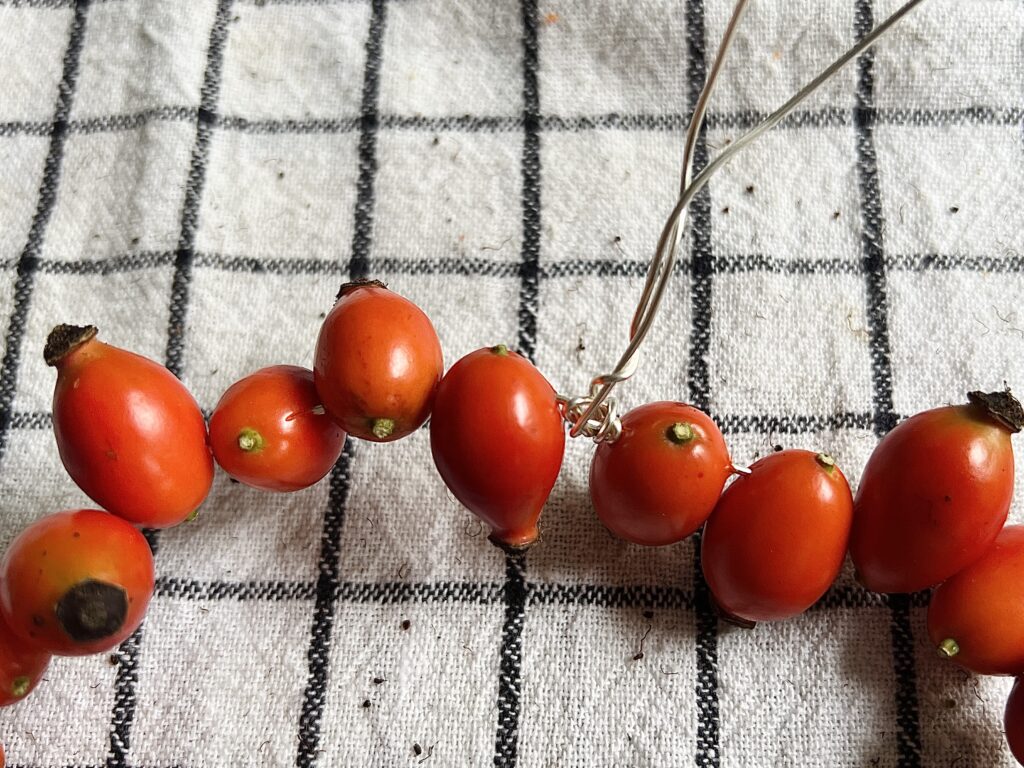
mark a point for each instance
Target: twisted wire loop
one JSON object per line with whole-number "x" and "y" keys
{"x": 593, "y": 415}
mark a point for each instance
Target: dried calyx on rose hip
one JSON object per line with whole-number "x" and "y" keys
{"x": 270, "y": 431}
{"x": 497, "y": 438}
{"x": 777, "y": 539}
{"x": 76, "y": 582}
{"x": 935, "y": 493}
{"x": 378, "y": 362}
{"x": 128, "y": 431}
{"x": 658, "y": 481}
{"x": 976, "y": 617}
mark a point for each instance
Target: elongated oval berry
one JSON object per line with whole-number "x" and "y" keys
{"x": 378, "y": 363}
{"x": 497, "y": 438}
{"x": 976, "y": 617}
{"x": 659, "y": 480}
{"x": 935, "y": 493}
{"x": 129, "y": 433}
{"x": 777, "y": 539}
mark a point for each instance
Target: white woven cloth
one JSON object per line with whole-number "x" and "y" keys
{"x": 197, "y": 178}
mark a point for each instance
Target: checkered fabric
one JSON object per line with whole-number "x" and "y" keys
{"x": 197, "y": 177}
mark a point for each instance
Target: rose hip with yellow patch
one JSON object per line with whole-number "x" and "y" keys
{"x": 76, "y": 583}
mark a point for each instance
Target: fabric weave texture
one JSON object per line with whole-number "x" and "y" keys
{"x": 197, "y": 177}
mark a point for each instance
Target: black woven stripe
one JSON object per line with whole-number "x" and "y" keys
{"x": 908, "y": 733}
{"x": 824, "y": 117}
{"x": 275, "y": 591}
{"x": 602, "y": 596}
{"x": 510, "y": 662}
{"x": 702, "y": 267}
{"x": 32, "y": 420}
{"x": 293, "y": 126}
{"x": 1010, "y": 262}
{"x": 760, "y": 263}
{"x": 185, "y": 252}
{"x": 792, "y": 424}
{"x": 423, "y": 592}
{"x": 28, "y": 260}
{"x": 327, "y": 592}
{"x": 134, "y": 120}
{"x": 127, "y": 262}
{"x": 25, "y": 128}
{"x": 529, "y": 277}
{"x": 851, "y": 597}
{"x": 369, "y": 121}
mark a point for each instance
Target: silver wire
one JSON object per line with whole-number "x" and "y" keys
{"x": 594, "y": 414}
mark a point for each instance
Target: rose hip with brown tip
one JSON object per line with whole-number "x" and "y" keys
{"x": 935, "y": 493}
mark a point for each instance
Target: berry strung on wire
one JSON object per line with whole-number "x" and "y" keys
{"x": 270, "y": 431}
{"x": 129, "y": 433}
{"x": 976, "y": 617}
{"x": 777, "y": 539}
{"x": 76, "y": 583}
{"x": 378, "y": 363}
{"x": 21, "y": 668}
{"x": 935, "y": 493}
{"x": 497, "y": 439}
{"x": 658, "y": 481}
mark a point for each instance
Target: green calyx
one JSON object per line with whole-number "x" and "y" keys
{"x": 680, "y": 433}
{"x": 20, "y": 686}
{"x": 825, "y": 461}
{"x": 382, "y": 428}
{"x": 948, "y": 648}
{"x": 500, "y": 350}
{"x": 250, "y": 440}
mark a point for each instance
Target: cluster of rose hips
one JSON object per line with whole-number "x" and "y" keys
{"x": 929, "y": 511}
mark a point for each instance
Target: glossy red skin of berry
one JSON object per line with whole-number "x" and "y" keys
{"x": 777, "y": 539}
{"x": 497, "y": 438}
{"x": 57, "y": 554}
{"x": 933, "y": 496}
{"x": 130, "y": 435}
{"x": 269, "y": 431}
{"x": 650, "y": 489}
{"x": 1013, "y": 720}
{"x": 981, "y": 608}
{"x": 377, "y": 360}
{"x": 21, "y": 668}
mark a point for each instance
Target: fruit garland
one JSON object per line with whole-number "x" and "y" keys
{"x": 929, "y": 512}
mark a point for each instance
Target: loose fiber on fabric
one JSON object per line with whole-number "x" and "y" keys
{"x": 197, "y": 177}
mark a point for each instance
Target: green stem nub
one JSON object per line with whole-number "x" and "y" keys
{"x": 826, "y": 461}
{"x": 250, "y": 440}
{"x": 948, "y": 648}
{"x": 92, "y": 610}
{"x": 382, "y": 428}
{"x": 680, "y": 433}
{"x": 20, "y": 686}
{"x": 500, "y": 349}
